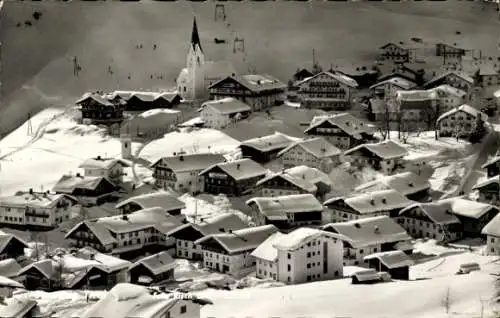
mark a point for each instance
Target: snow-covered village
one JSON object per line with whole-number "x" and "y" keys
{"x": 339, "y": 187}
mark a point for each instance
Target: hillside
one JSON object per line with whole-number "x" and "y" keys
{"x": 37, "y": 60}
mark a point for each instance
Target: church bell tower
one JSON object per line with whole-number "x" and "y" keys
{"x": 195, "y": 64}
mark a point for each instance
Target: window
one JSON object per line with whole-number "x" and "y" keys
{"x": 308, "y": 265}
{"x": 361, "y": 251}
{"x": 336, "y": 273}
{"x": 289, "y": 267}
{"x": 183, "y": 309}
{"x": 309, "y": 254}
{"x": 167, "y": 314}
{"x": 289, "y": 256}
{"x": 308, "y": 278}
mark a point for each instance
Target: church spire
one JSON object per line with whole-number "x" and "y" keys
{"x": 195, "y": 38}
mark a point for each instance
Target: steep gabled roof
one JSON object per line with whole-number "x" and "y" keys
{"x": 317, "y": 147}
{"x": 369, "y": 231}
{"x": 385, "y": 150}
{"x": 255, "y": 82}
{"x": 462, "y": 75}
{"x": 267, "y": 143}
{"x": 466, "y": 109}
{"x": 277, "y": 208}
{"x": 396, "y": 81}
{"x": 210, "y": 226}
{"x": 487, "y": 182}
{"x": 406, "y": 182}
{"x": 490, "y": 162}
{"x": 44, "y": 267}
{"x": 34, "y": 200}
{"x": 239, "y": 169}
{"x": 191, "y": 162}
{"x": 99, "y": 99}
{"x": 162, "y": 200}
{"x": 68, "y": 183}
{"x": 227, "y": 106}
{"x": 102, "y": 163}
{"x": 299, "y": 182}
{"x": 438, "y": 212}
{"x": 344, "y": 79}
{"x": 383, "y": 200}
{"x": 348, "y": 123}
{"x": 493, "y": 227}
{"x": 392, "y": 259}
{"x": 157, "y": 263}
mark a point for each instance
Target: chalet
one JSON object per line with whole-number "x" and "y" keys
{"x": 36, "y": 209}
{"x": 303, "y": 255}
{"x": 266, "y": 148}
{"x": 109, "y": 168}
{"x": 492, "y": 167}
{"x": 492, "y": 233}
{"x": 186, "y": 234}
{"x": 12, "y": 246}
{"x": 449, "y": 97}
{"x": 302, "y": 74}
{"x": 125, "y": 235}
{"x": 18, "y": 308}
{"x": 385, "y": 156}
{"x": 449, "y": 52}
{"x": 396, "y": 263}
{"x": 472, "y": 214}
{"x": 87, "y": 190}
{"x": 314, "y": 152}
{"x": 416, "y": 109}
{"x": 360, "y": 206}
{"x": 99, "y": 111}
{"x": 402, "y": 71}
{"x": 388, "y": 88}
{"x": 172, "y": 98}
{"x": 395, "y": 52}
{"x": 258, "y": 91}
{"x": 232, "y": 178}
{"x": 141, "y": 101}
{"x": 297, "y": 180}
{"x": 223, "y": 112}
{"x": 489, "y": 190}
{"x": 327, "y": 91}
{"x": 411, "y": 185}
{"x": 461, "y": 122}
{"x": 286, "y": 212}
{"x": 94, "y": 271}
{"x": 433, "y": 220}
{"x": 43, "y": 275}
{"x": 165, "y": 201}
{"x": 341, "y": 130}
{"x": 363, "y": 75}
{"x": 181, "y": 172}
{"x": 368, "y": 236}
{"x": 152, "y": 269}
{"x": 229, "y": 252}
{"x": 455, "y": 79}
{"x": 128, "y": 300}
{"x": 488, "y": 75}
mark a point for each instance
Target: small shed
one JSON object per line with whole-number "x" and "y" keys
{"x": 369, "y": 276}
{"x": 396, "y": 263}
{"x": 152, "y": 269}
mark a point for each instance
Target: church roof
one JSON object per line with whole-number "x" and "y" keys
{"x": 195, "y": 38}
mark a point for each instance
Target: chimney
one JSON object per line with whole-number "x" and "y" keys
{"x": 92, "y": 256}
{"x": 99, "y": 158}
{"x": 233, "y": 74}
{"x": 238, "y": 166}
{"x": 31, "y": 191}
{"x": 78, "y": 175}
{"x": 376, "y": 230}
{"x": 181, "y": 158}
{"x": 124, "y": 217}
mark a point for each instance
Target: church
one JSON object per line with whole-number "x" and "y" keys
{"x": 194, "y": 80}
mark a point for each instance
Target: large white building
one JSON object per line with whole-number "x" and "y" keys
{"x": 300, "y": 256}
{"x": 199, "y": 73}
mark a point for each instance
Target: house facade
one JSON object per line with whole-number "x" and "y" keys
{"x": 327, "y": 90}
{"x": 230, "y": 252}
{"x": 233, "y": 178}
{"x": 223, "y": 112}
{"x": 266, "y": 148}
{"x": 36, "y": 209}
{"x": 367, "y": 236}
{"x": 286, "y": 212}
{"x": 385, "y": 156}
{"x": 257, "y": 91}
{"x": 152, "y": 269}
{"x": 492, "y": 233}
{"x": 343, "y": 130}
{"x": 301, "y": 256}
{"x": 449, "y": 97}
{"x": 396, "y": 53}
{"x": 462, "y": 121}
{"x": 97, "y": 110}
{"x": 489, "y": 190}
{"x": 365, "y": 205}
{"x": 109, "y": 168}
{"x": 181, "y": 172}
{"x": 314, "y": 152}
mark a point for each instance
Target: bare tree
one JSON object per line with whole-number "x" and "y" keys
{"x": 405, "y": 134}
{"x": 447, "y": 301}
{"x": 458, "y": 131}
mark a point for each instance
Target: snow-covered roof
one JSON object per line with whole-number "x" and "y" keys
{"x": 493, "y": 227}
{"x": 391, "y": 259}
{"x": 299, "y": 182}
{"x": 227, "y": 106}
{"x": 9, "y": 267}
{"x": 295, "y": 239}
{"x": 34, "y": 200}
{"x": 256, "y": 82}
{"x": 276, "y": 141}
{"x": 312, "y": 175}
{"x": 102, "y": 163}
{"x": 396, "y": 81}
{"x": 68, "y": 183}
{"x": 405, "y": 182}
{"x": 16, "y": 307}
{"x": 276, "y": 208}
{"x": 387, "y": 149}
{"x": 448, "y": 89}
{"x": 490, "y": 162}
{"x": 106, "y": 262}
{"x": 317, "y": 147}
{"x": 6, "y": 238}
{"x": 416, "y": 95}
{"x": 99, "y": 99}
{"x": 348, "y": 123}
{"x": 466, "y": 109}
{"x": 375, "y": 201}
{"x": 239, "y": 169}
{"x": 157, "y": 263}
{"x": 209, "y": 226}
{"x": 369, "y": 231}
{"x": 487, "y": 182}
{"x": 266, "y": 251}
{"x": 242, "y": 240}
{"x": 367, "y": 275}
{"x": 439, "y": 212}
{"x": 344, "y": 79}
{"x": 163, "y": 200}
{"x": 461, "y": 75}
{"x": 469, "y": 208}
{"x": 190, "y": 162}
{"x": 46, "y": 267}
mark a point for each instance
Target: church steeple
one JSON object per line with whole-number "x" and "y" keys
{"x": 195, "y": 38}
